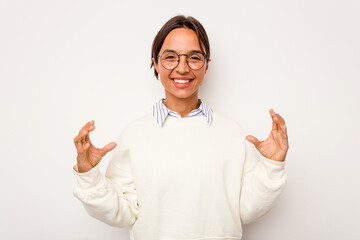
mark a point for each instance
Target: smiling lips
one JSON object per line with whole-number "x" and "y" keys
{"x": 181, "y": 82}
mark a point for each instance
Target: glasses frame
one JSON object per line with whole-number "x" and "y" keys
{"x": 187, "y": 59}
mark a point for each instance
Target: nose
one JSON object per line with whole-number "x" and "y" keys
{"x": 183, "y": 66}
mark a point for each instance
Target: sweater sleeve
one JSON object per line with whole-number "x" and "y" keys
{"x": 263, "y": 181}
{"x": 110, "y": 198}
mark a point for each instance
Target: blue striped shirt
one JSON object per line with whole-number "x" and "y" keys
{"x": 161, "y": 112}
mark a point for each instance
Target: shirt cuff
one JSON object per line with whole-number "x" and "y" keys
{"x": 274, "y": 169}
{"x": 89, "y": 179}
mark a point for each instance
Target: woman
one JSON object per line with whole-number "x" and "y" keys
{"x": 183, "y": 171}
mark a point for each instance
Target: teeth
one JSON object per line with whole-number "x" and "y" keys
{"x": 181, "y": 81}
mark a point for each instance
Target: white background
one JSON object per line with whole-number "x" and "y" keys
{"x": 63, "y": 63}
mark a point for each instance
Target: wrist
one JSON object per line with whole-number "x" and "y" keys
{"x": 83, "y": 168}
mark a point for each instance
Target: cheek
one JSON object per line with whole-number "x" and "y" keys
{"x": 200, "y": 74}
{"x": 161, "y": 70}
{"x": 164, "y": 71}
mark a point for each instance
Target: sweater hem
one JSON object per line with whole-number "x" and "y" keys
{"x": 206, "y": 238}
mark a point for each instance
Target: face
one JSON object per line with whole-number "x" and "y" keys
{"x": 182, "y": 41}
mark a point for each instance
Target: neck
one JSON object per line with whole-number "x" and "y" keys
{"x": 183, "y": 106}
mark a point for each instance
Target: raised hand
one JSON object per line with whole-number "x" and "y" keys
{"x": 88, "y": 155}
{"x": 276, "y": 145}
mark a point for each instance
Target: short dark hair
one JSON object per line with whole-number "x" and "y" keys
{"x": 179, "y": 21}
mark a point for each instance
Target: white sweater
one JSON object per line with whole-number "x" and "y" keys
{"x": 185, "y": 180}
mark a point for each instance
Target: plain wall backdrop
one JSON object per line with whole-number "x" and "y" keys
{"x": 63, "y": 63}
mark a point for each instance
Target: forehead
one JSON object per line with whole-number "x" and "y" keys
{"x": 181, "y": 40}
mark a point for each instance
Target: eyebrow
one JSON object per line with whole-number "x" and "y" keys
{"x": 169, "y": 50}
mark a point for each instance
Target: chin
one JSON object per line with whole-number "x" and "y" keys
{"x": 184, "y": 95}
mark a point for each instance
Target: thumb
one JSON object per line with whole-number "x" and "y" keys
{"x": 253, "y": 140}
{"x": 108, "y": 147}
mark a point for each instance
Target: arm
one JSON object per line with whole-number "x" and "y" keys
{"x": 110, "y": 198}
{"x": 264, "y": 180}
{"x": 262, "y": 183}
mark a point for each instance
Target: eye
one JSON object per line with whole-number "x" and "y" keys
{"x": 195, "y": 58}
{"x": 170, "y": 57}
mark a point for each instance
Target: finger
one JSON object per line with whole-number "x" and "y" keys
{"x": 281, "y": 129}
{"x": 82, "y": 140}
{"x": 281, "y": 125}
{"x": 85, "y": 130}
{"x": 282, "y": 139}
{"x": 253, "y": 140}
{"x": 86, "y": 146}
{"x": 284, "y": 129}
{"x": 82, "y": 148}
{"x": 87, "y": 139}
{"x": 90, "y": 126}
{"x": 272, "y": 112}
{"x": 92, "y": 122}
{"x": 281, "y": 120}
{"x": 108, "y": 147}
{"x": 88, "y": 129}
{"x": 278, "y": 120}
{"x": 81, "y": 137}
{"x": 83, "y": 134}
{"x": 274, "y": 124}
{"x": 79, "y": 145}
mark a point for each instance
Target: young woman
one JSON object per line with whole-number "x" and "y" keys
{"x": 183, "y": 171}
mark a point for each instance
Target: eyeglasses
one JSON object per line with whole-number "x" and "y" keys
{"x": 170, "y": 60}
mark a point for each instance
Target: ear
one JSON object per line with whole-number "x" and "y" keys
{"x": 155, "y": 65}
{"x": 207, "y": 64}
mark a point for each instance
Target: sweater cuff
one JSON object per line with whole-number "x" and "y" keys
{"x": 274, "y": 169}
{"x": 89, "y": 179}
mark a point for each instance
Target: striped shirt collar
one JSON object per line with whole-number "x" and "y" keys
{"x": 161, "y": 112}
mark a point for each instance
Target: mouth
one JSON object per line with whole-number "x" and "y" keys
{"x": 182, "y": 82}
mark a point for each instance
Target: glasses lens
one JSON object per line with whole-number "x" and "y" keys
{"x": 196, "y": 60}
{"x": 169, "y": 60}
